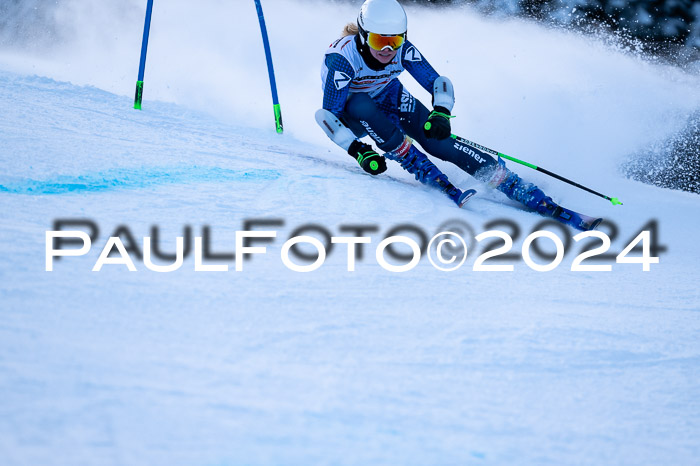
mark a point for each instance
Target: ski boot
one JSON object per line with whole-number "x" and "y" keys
{"x": 535, "y": 199}
{"x": 417, "y": 163}
{"x": 518, "y": 190}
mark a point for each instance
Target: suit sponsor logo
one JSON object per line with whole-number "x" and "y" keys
{"x": 371, "y": 132}
{"x": 408, "y": 103}
{"x": 341, "y": 79}
{"x": 467, "y": 150}
{"x": 412, "y": 54}
{"x": 369, "y": 83}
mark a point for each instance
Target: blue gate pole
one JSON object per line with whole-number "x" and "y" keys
{"x": 144, "y": 48}
{"x": 270, "y": 69}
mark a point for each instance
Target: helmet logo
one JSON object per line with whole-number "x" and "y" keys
{"x": 341, "y": 80}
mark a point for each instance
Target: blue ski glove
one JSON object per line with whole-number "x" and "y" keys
{"x": 438, "y": 124}
{"x": 369, "y": 160}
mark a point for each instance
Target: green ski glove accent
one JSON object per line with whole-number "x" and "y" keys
{"x": 367, "y": 158}
{"x": 438, "y": 124}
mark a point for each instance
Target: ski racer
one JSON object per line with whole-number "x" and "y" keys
{"x": 362, "y": 96}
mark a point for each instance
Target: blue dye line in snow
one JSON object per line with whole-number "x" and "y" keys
{"x": 126, "y": 178}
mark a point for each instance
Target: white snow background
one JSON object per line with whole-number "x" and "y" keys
{"x": 271, "y": 366}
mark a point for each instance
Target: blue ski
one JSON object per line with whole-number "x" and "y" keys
{"x": 464, "y": 198}
{"x": 574, "y": 219}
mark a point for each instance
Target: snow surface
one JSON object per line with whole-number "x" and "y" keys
{"x": 270, "y": 366}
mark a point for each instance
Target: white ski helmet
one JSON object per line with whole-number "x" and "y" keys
{"x": 385, "y": 17}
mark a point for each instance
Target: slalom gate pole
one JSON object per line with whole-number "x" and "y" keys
{"x": 614, "y": 200}
{"x": 144, "y": 48}
{"x": 270, "y": 69}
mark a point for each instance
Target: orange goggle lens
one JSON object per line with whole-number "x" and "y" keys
{"x": 380, "y": 42}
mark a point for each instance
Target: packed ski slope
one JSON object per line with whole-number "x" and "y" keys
{"x": 271, "y": 366}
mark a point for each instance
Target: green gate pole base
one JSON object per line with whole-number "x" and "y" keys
{"x": 139, "y": 95}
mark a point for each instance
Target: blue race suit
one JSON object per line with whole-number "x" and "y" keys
{"x": 372, "y": 101}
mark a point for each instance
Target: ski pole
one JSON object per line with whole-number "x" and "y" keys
{"x": 614, "y": 200}
{"x": 142, "y": 64}
{"x": 270, "y": 69}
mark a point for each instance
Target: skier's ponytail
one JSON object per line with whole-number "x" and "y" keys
{"x": 350, "y": 29}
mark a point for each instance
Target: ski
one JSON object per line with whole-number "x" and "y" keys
{"x": 574, "y": 219}
{"x": 464, "y": 198}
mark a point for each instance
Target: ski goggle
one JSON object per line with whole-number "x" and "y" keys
{"x": 380, "y": 42}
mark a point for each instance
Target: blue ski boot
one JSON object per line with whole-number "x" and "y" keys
{"x": 417, "y": 163}
{"x": 532, "y": 197}
{"x": 527, "y": 194}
